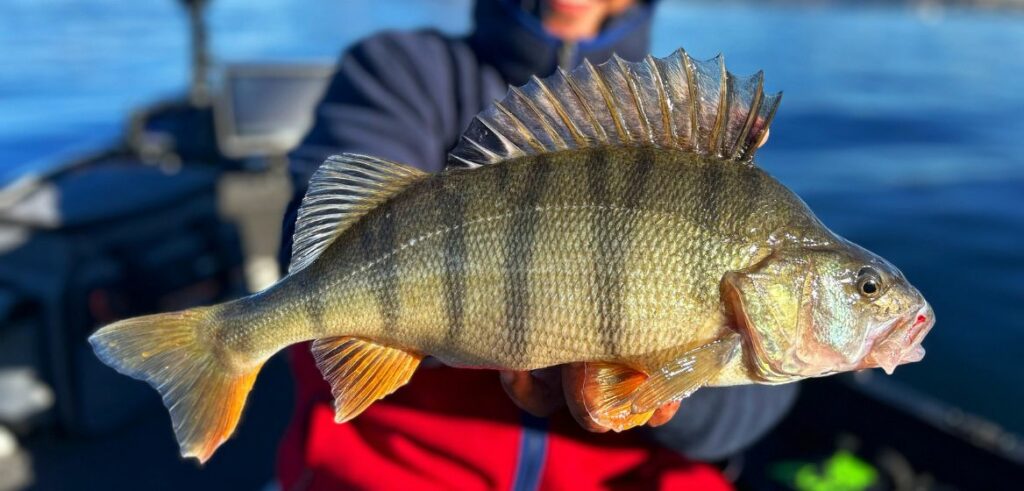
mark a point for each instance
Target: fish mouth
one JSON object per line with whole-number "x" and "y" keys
{"x": 902, "y": 344}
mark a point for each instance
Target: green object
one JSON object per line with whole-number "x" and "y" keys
{"x": 843, "y": 471}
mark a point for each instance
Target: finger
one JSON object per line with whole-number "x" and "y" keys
{"x": 537, "y": 393}
{"x": 573, "y": 377}
{"x": 663, "y": 414}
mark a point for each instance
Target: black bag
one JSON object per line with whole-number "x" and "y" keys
{"x": 106, "y": 241}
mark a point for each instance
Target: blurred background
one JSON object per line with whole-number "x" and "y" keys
{"x": 142, "y": 169}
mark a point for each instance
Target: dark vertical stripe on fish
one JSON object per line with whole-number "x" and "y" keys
{"x": 607, "y": 298}
{"x": 502, "y": 174}
{"x": 612, "y": 235}
{"x": 519, "y": 246}
{"x": 635, "y": 190}
{"x": 314, "y": 305}
{"x": 712, "y": 184}
{"x": 754, "y": 184}
{"x": 646, "y": 157}
{"x": 710, "y": 203}
{"x": 378, "y": 244}
{"x": 451, "y": 208}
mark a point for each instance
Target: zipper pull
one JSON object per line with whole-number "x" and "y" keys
{"x": 567, "y": 55}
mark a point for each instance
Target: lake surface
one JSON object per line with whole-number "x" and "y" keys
{"x": 901, "y": 127}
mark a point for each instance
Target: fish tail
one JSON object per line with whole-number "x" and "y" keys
{"x": 203, "y": 389}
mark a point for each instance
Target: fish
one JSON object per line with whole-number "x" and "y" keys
{"x": 611, "y": 216}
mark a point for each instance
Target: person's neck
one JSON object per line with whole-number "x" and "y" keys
{"x": 571, "y": 29}
{"x": 518, "y": 45}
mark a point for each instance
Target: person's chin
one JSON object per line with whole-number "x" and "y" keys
{"x": 572, "y": 8}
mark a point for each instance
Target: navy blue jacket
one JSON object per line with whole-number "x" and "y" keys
{"x": 407, "y": 97}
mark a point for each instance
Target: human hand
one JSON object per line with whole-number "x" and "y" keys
{"x": 542, "y": 392}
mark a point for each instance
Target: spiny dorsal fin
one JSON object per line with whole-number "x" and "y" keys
{"x": 343, "y": 189}
{"x": 671, "y": 102}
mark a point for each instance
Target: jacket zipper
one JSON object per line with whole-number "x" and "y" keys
{"x": 567, "y": 55}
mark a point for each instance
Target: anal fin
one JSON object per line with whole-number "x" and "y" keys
{"x": 361, "y": 372}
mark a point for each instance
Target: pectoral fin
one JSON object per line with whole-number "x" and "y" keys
{"x": 681, "y": 376}
{"x": 361, "y": 372}
{"x": 605, "y": 391}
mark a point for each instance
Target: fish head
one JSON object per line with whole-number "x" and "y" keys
{"x": 815, "y": 311}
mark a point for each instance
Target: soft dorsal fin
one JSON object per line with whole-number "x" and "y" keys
{"x": 343, "y": 189}
{"x": 671, "y": 102}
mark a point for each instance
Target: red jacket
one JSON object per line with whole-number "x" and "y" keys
{"x": 456, "y": 429}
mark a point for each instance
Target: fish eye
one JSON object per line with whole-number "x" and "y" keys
{"x": 869, "y": 282}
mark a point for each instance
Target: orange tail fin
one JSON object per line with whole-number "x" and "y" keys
{"x": 204, "y": 394}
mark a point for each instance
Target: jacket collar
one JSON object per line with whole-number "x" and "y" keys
{"x": 514, "y": 41}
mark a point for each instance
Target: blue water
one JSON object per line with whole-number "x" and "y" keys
{"x": 900, "y": 127}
